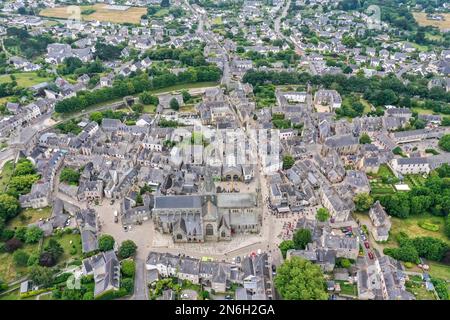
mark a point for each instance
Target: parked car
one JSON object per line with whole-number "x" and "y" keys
{"x": 366, "y": 244}
{"x": 371, "y": 255}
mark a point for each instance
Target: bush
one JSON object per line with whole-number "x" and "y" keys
{"x": 127, "y": 249}
{"x": 429, "y": 226}
{"x": 106, "y": 242}
{"x": 128, "y": 268}
{"x": 128, "y": 285}
{"x": 441, "y": 288}
{"x": 112, "y": 294}
{"x": 20, "y": 258}
{"x": 13, "y": 244}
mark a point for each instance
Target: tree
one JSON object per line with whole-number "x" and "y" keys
{"x": 46, "y": 259}
{"x": 127, "y": 249}
{"x": 128, "y": 268}
{"x": 365, "y": 139}
{"x": 20, "y": 258}
{"x": 9, "y": 206}
{"x": 301, "y": 238}
{"x": 322, "y": 214}
{"x": 406, "y": 253}
{"x": 33, "y": 234}
{"x": 444, "y": 142}
{"x": 96, "y": 116}
{"x": 447, "y": 226}
{"x": 299, "y": 279}
{"x": 285, "y": 246}
{"x": 363, "y": 201}
{"x": 13, "y": 244}
{"x": 41, "y": 276}
{"x": 128, "y": 285}
{"x": 174, "y": 105}
{"x": 54, "y": 248}
{"x": 186, "y": 96}
{"x": 147, "y": 98}
{"x": 106, "y": 242}
{"x": 288, "y": 162}
{"x": 70, "y": 176}
{"x": 165, "y": 3}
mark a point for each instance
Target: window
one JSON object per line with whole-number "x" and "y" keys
{"x": 209, "y": 230}
{"x": 179, "y": 237}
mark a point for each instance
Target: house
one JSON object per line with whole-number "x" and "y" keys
{"x": 329, "y": 98}
{"x": 415, "y": 165}
{"x": 105, "y": 268}
{"x": 381, "y": 222}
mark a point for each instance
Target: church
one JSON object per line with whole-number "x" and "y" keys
{"x": 208, "y": 216}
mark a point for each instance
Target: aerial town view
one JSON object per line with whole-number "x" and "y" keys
{"x": 224, "y": 150}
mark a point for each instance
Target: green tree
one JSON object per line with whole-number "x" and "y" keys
{"x": 9, "y": 206}
{"x": 322, "y": 214}
{"x": 288, "y": 162}
{"x": 301, "y": 238}
{"x": 299, "y": 279}
{"x": 444, "y": 142}
{"x": 363, "y": 201}
{"x": 147, "y": 98}
{"x": 54, "y": 248}
{"x": 41, "y": 276}
{"x": 70, "y": 176}
{"x": 106, "y": 242}
{"x": 20, "y": 258}
{"x": 447, "y": 226}
{"x": 186, "y": 96}
{"x": 128, "y": 268}
{"x": 96, "y": 116}
{"x": 365, "y": 139}
{"x": 174, "y": 105}
{"x": 285, "y": 246}
{"x": 33, "y": 234}
{"x": 128, "y": 285}
{"x": 127, "y": 249}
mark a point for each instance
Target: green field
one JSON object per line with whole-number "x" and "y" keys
{"x": 419, "y": 291}
{"x": 6, "y": 174}
{"x": 28, "y": 216}
{"x": 427, "y": 111}
{"x": 376, "y": 182}
{"x": 412, "y": 228}
{"x": 8, "y": 271}
{"x": 348, "y": 288}
{"x": 25, "y": 79}
{"x": 439, "y": 270}
{"x": 64, "y": 240}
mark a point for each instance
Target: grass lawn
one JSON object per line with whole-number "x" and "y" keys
{"x": 411, "y": 227}
{"x": 148, "y": 108}
{"x": 64, "y": 240}
{"x": 4, "y": 100}
{"x": 47, "y": 296}
{"x": 419, "y": 291}
{"x": 8, "y": 271}
{"x": 28, "y": 216}
{"x": 13, "y": 295}
{"x": 367, "y": 106}
{"x": 161, "y": 13}
{"x": 217, "y": 21}
{"x": 427, "y": 111}
{"x": 439, "y": 270}
{"x": 24, "y": 79}
{"x": 377, "y": 185}
{"x": 348, "y": 288}
{"x": 6, "y": 174}
{"x": 415, "y": 180}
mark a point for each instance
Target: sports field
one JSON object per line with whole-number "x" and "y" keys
{"x": 97, "y": 12}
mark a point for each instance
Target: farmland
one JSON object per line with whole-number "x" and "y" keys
{"x": 97, "y": 12}
{"x": 24, "y": 79}
{"x": 421, "y": 18}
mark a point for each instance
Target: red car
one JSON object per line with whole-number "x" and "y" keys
{"x": 370, "y": 255}
{"x": 366, "y": 244}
